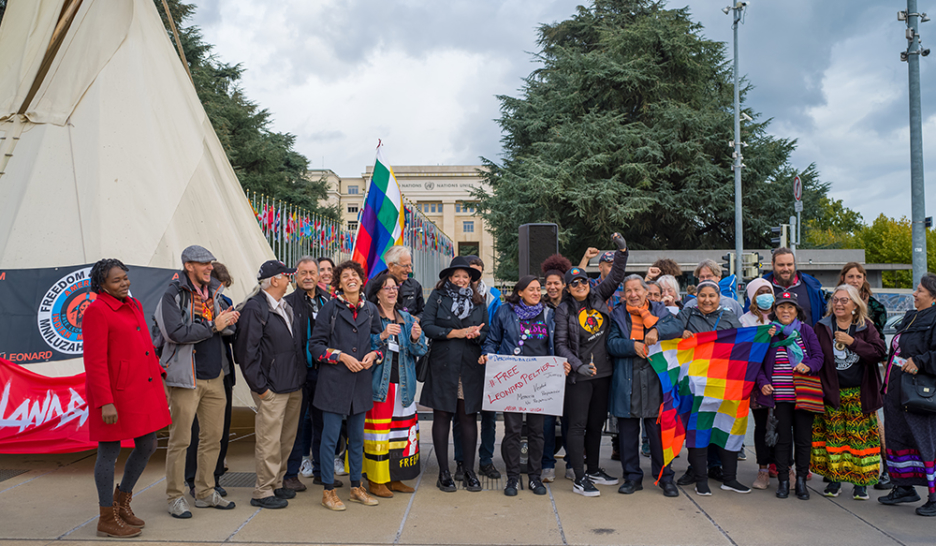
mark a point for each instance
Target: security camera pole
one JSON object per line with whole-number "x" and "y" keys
{"x": 738, "y": 9}
{"x": 918, "y": 206}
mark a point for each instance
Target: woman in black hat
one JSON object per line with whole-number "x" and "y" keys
{"x": 455, "y": 318}
{"x": 583, "y": 321}
{"x": 794, "y": 354}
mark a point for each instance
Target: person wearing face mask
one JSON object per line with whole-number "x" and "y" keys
{"x": 456, "y": 319}
{"x": 761, "y": 296}
{"x": 582, "y": 325}
{"x": 709, "y": 316}
{"x": 846, "y": 444}
{"x": 794, "y": 351}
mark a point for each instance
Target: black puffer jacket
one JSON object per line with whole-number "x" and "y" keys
{"x": 567, "y": 325}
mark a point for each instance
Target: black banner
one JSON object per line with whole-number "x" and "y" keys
{"x": 41, "y": 309}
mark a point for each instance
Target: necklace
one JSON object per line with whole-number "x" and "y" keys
{"x": 839, "y": 346}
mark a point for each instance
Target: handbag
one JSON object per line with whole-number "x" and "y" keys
{"x": 918, "y": 393}
{"x": 422, "y": 364}
{"x": 808, "y": 393}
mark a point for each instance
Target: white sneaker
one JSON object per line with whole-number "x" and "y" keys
{"x": 179, "y": 508}
{"x": 570, "y": 474}
{"x": 215, "y": 500}
{"x": 305, "y": 468}
{"x": 549, "y": 475}
{"x": 339, "y": 467}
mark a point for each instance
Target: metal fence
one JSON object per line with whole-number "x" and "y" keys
{"x": 432, "y": 250}
{"x": 293, "y": 232}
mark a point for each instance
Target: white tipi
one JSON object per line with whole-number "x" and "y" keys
{"x": 106, "y": 151}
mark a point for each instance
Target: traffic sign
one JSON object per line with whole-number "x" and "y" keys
{"x": 798, "y": 206}
{"x": 798, "y": 189}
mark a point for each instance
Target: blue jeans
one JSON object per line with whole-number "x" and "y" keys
{"x": 488, "y": 433}
{"x": 331, "y": 430}
{"x": 549, "y": 434}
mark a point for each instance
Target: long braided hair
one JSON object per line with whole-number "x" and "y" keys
{"x": 100, "y": 270}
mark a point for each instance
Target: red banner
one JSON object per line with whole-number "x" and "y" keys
{"x": 40, "y": 414}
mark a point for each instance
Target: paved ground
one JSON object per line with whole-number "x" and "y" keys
{"x": 54, "y": 503}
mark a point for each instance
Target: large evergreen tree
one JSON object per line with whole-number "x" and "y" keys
{"x": 626, "y": 126}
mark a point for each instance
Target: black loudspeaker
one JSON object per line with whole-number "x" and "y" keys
{"x": 537, "y": 242}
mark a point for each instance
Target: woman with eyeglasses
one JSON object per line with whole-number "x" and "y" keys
{"x": 583, "y": 321}
{"x": 846, "y": 446}
{"x": 391, "y": 445}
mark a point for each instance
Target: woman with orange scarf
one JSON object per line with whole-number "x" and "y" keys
{"x": 636, "y": 392}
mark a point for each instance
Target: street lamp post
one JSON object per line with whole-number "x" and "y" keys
{"x": 737, "y": 10}
{"x": 918, "y": 206}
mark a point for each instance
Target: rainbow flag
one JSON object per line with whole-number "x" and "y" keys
{"x": 707, "y": 382}
{"x": 381, "y": 225}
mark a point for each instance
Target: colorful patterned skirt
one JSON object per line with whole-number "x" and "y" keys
{"x": 846, "y": 445}
{"x": 391, "y": 439}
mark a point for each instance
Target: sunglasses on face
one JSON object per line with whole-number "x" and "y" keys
{"x": 843, "y": 301}
{"x": 578, "y": 282}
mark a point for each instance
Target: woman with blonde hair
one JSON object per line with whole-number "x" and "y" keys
{"x": 846, "y": 444}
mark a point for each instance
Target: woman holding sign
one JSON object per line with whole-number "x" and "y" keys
{"x": 582, "y": 325}
{"x": 391, "y": 442}
{"x": 455, "y": 318}
{"x": 524, "y": 327}
{"x": 636, "y": 391}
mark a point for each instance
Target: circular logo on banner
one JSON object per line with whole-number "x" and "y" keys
{"x": 61, "y": 311}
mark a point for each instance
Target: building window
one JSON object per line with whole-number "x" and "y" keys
{"x": 468, "y": 208}
{"x": 430, "y": 208}
{"x": 353, "y": 190}
{"x": 468, "y": 227}
{"x": 352, "y": 226}
{"x": 469, "y": 249}
{"x": 353, "y": 208}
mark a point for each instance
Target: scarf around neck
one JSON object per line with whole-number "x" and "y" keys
{"x": 790, "y": 345}
{"x": 641, "y": 318}
{"x": 461, "y": 299}
{"x": 354, "y": 308}
{"x": 527, "y": 312}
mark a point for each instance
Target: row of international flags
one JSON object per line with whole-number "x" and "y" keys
{"x": 282, "y": 221}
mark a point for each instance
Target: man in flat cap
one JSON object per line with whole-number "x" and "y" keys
{"x": 192, "y": 318}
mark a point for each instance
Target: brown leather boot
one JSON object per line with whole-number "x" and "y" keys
{"x": 331, "y": 501}
{"x": 400, "y": 487}
{"x": 111, "y": 525}
{"x": 123, "y": 501}
{"x": 379, "y": 490}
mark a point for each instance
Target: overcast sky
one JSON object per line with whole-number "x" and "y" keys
{"x": 423, "y": 74}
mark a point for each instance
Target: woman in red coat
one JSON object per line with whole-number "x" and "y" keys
{"x": 126, "y": 397}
